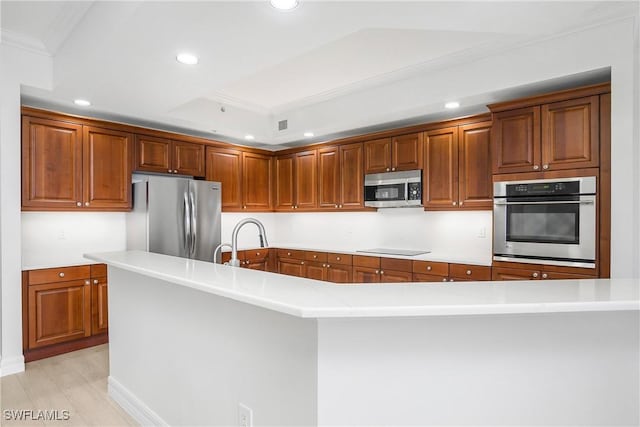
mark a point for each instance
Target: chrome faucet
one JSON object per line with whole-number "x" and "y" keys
{"x": 234, "y": 261}
{"x": 218, "y": 249}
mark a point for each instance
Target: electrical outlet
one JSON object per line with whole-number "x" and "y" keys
{"x": 482, "y": 233}
{"x": 245, "y": 416}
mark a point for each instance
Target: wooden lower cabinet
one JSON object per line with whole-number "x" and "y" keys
{"x": 291, "y": 267}
{"x": 64, "y": 309}
{"x": 316, "y": 271}
{"x": 418, "y": 277}
{"x": 339, "y": 273}
{"x": 365, "y": 274}
{"x": 502, "y": 273}
{"x": 393, "y": 276}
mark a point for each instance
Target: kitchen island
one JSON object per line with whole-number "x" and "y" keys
{"x": 191, "y": 341}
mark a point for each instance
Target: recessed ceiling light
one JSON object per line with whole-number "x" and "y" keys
{"x": 452, "y": 104}
{"x": 284, "y": 4}
{"x": 187, "y": 58}
{"x": 249, "y": 137}
{"x": 308, "y": 134}
{"x": 82, "y": 102}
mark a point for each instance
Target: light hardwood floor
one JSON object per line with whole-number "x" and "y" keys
{"x": 76, "y": 382}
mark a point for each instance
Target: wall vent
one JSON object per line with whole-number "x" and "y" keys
{"x": 282, "y": 125}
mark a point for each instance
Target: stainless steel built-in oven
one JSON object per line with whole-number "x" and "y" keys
{"x": 549, "y": 221}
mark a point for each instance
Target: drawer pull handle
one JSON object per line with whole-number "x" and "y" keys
{"x": 468, "y": 272}
{"x": 428, "y": 268}
{"x": 61, "y": 274}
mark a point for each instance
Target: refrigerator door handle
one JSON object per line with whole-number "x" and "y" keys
{"x": 194, "y": 225}
{"x": 186, "y": 218}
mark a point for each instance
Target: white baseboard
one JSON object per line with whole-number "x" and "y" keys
{"x": 132, "y": 405}
{"x": 12, "y": 365}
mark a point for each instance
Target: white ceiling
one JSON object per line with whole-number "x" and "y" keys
{"x": 258, "y": 63}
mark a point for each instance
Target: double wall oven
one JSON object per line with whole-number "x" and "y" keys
{"x": 549, "y": 221}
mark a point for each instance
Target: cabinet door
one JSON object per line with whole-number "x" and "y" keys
{"x": 441, "y": 169}
{"x": 339, "y": 273}
{"x": 329, "y": 178}
{"x": 284, "y": 183}
{"x": 59, "y": 312}
{"x": 306, "y": 180}
{"x": 406, "y": 152}
{"x": 501, "y": 273}
{"x": 51, "y": 164}
{"x": 515, "y": 137}
{"x": 351, "y": 176}
{"x": 291, "y": 267}
{"x": 315, "y": 270}
{"x": 419, "y": 277}
{"x": 474, "y": 172}
{"x": 107, "y": 169}
{"x": 224, "y": 166}
{"x": 377, "y": 156}
{"x": 256, "y": 182}
{"x": 153, "y": 154}
{"x": 570, "y": 134}
{"x": 99, "y": 306}
{"x": 256, "y": 265}
{"x": 552, "y": 275}
{"x": 393, "y": 276}
{"x": 188, "y": 158}
{"x": 366, "y": 275}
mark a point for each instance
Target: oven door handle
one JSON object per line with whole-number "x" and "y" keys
{"x": 553, "y": 202}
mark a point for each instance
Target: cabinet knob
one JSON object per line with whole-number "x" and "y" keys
{"x": 377, "y": 271}
{"x": 336, "y": 206}
{"x": 535, "y": 274}
{"x": 170, "y": 171}
{"x": 545, "y": 166}
{"x": 288, "y": 253}
{"x": 444, "y": 279}
{"x": 79, "y": 204}
{"x": 338, "y": 258}
{"x": 257, "y": 253}
{"x": 461, "y": 203}
{"x": 340, "y": 206}
{"x": 387, "y": 169}
{"x": 545, "y": 275}
{"x": 175, "y": 171}
{"x": 324, "y": 265}
{"x": 454, "y": 203}
{"x": 244, "y": 207}
{"x": 328, "y": 266}
{"x": 61, "y": 274}
{"x": 86, "y": 282}
{"x": 381, "y": 272}
{"x": 86, "y": 203}
{"x": 468, "y": 272}
{"x": 95, "y": 281}
{"x": 296, "y": 207}
{"x": 451, "y": 280}
{"x": 393, "y": 169}
{"x": 428, "y": 268}
{"x": 301, "y": 262}
{"x": 315, "y": 256}
{"x": 536, "y": 167}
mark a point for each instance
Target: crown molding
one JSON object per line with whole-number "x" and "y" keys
{"x": 24, "y": 42}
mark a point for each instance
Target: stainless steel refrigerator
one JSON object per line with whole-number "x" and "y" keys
{"x": 175, "y": 216}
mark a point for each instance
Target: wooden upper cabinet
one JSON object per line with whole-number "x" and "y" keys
{"x": 51, "y": 164}
{"x": 306, "y": 180}
{"x": 107, "y": 177}
{"x": 406, "y": 152}
{"x": 377, "y": 156}
{"x": 393, "y": 154}
{"x": 329, "y": 178}
{"x": 516, "y": 140}
{"x": 153, "y": 154}
{"x": 256, "y": 181}
{"x": 351, "y": 176}
{"x": 284, "y": 183}
{"x": 570, "y": 134}
{"x": 225, "y": 166}
{"x": 474, "y": 172}
{"x": 188, "y": 158}
{"x": 440, "y": 180}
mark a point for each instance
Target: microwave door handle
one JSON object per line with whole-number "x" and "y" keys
{"x": 553, "y": 202}
{"x": 406, "y": 190}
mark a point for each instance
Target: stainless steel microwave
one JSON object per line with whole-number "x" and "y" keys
{"x": 393, "y": 189}
{"x": 547, "y": 221}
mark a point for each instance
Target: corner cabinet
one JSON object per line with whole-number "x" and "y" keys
{"x": 69, "y": 166}
{"x": 458, "y": 168}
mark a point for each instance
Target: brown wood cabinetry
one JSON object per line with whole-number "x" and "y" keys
{"x": 535, "y": 272}
{"x": 329, "y": 177}
{"x": 468, "y": 272}
{"x": 154, "y": 154}
{"x": 458, "y": 167}
{"x": 68, "y": 166}
{"x": 245, "y": 178}
{"x": 398, "y": 153}
{"x": 367, "y": 269}
{"x": 297, "y": 181}
{"x": 365, "y": 274}
{"x": 341, "y": 177}
{"x": 64, "y": 309}
{"x": 430, "y": 271}
{"x": 563, "y": 134}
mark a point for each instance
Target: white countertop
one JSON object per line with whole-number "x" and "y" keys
{"x": 431, "y": 256}
{"x": 311, "y": 298}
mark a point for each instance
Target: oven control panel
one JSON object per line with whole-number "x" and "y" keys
{"x": 543, "y": 188}
{"x": 415, "y": 191}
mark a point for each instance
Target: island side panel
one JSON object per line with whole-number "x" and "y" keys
{"x": 536, "y": 369}
{"x": 185, "y": 357}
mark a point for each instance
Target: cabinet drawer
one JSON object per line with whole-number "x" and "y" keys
{"x": 395, "y": 276}
{"x": 290, "y": 253}
{"x": 62, "y": 274}
{"x": 469, "y": 272}
{"x": 256, "y": 254}
{"x": 99, "y": 270}
{"x": 366, "y": 261}
{"x": 431, "y": 268}
{"x": 316, "y": 256}
{"x": 396, "y": 264}
{"x": 419, "y": 277}
{"x": 343, "y": 259}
